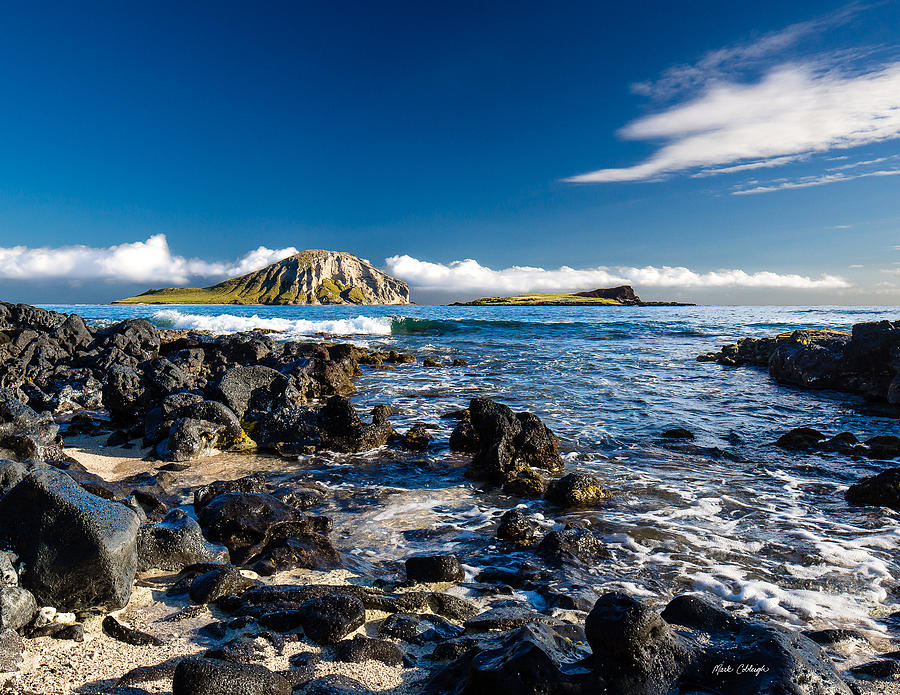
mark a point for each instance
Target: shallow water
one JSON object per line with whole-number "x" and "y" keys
{"x": 735, "y": 517}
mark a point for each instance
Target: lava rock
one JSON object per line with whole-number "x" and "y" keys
{"x": 174, "y": 543}
{"x": 80, "y": 551}
{"x": 434, "y": 568}
{"x": 882, "y": 490}
{"x": 508, "y": 440}
{"x": 216, "y": 583}
{"x": 418, "y": 628}
{"x": 328, "y": 619}
{"x": 416, "y": 438}
{"x": 129, "y": 635}
{"x": 576, "y": 490}
{"x": 678, "y": 433}
{"x": 801, "y": 439}
{"x": 201, "y": 676}
{"x": 517, "y": 527}
{"x": 571, "y": 545}
{"x": 361, "y": 649}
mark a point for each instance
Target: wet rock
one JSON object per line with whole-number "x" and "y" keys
{"x": 291, "y": 546}
{"x": 241, "y": 521}
{"x": 12, "y": 650}
{"x": 506, "y": 618}
{"x": 834, "y": 636}
{"x": 189, "y": 438}
{"x": 509, "y": 440}
{"x": 434, "y": 568}
{"x": 517, "y": 527}
{"x": 416, "y": 438}
{"x": 129, "y": 635}
{"x": 801, "y": 439}
{"x": 880, "y": 669}
{"x": 576, "y": 490}
{"x": 571, "y": 545}
{"x": 361, "y": 649}
{"x": 523, "y": 481}
{"x": 251, "y": 483}
{"x": 216, "y": 583}
{"x": 341, "y": 428}
{"x": 458, "y": 362}
{"x": 882, "y": 490}
{"x": 201, "y": 676}
{"x": 464, "y": 438}
{"x": 884, "y": 447}
{"x": 450, "y": 606}
{"x": 328, "y": 619}
{"x": 678, "y": 433}
{"x": 418, "y": 628}
{"x": 175, "y": 543}
{"x": 17, "y": 607}
{"x": 79, "y": 551}
{"x": 295, "y": 428}
{"x": 431, "y": 362}
{"x": 752, "y": 656}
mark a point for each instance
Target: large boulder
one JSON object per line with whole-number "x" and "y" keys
{"x": 341, "y": 428}
{"x": 79, "y": 550}
{"x": 328, "y": 619}
{"x": 508, "y": 442}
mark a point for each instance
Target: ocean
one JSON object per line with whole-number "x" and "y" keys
{"x": 728, "y": 514}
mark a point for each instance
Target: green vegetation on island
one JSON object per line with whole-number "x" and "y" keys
{"x": 540, "y": 300}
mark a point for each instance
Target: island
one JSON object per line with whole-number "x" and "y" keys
{"x": 612, "y": 296}
{"x": 313, "y": 276}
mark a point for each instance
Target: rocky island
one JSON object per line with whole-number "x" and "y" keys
{"x": 309, "y": 277}
{"x": 611, "y": 296}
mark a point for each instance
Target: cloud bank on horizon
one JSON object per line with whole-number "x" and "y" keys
{"x": 149, "y": 261}
{"x": 152, "y": 262}
{"x": 469, "y": 276}
{"x": 793, "y": 111}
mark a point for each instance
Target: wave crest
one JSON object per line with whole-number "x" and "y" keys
{"x": 230, "y": 323}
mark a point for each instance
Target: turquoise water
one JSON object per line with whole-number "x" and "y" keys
{"x": 733, "y": 516}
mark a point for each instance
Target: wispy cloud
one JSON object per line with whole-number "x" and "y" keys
{"x": 725, "y": 63}
{"x": 149, "y": 261}
{"x": 470, "y": 276}
{"x": 793, "y": 110}
{"x": 810, "y": 181}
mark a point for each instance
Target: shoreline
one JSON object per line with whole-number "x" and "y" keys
{"x": 305, "y": 432}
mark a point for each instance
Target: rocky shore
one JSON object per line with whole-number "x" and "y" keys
{"x": 146, "y": 548}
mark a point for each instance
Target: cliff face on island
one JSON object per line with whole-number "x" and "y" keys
{"x": 310, "y": 277}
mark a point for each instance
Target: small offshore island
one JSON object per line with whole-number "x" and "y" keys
{"x": 613, "y": 296}
{"x": 313, "y": 276}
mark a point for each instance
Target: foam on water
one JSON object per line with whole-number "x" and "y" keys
{"x": 291, "y": 328}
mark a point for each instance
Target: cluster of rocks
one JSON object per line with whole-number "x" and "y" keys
{"x": 866, "y": 361}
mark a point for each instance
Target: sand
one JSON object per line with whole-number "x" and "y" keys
{"x": 62, "y": 667}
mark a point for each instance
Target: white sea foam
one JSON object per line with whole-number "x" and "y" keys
{"x": 230, "y": 323}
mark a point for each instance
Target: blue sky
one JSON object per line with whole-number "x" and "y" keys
{"x": 709, "y": 151}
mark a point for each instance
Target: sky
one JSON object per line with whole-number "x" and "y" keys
{"x": 704, "y": 151}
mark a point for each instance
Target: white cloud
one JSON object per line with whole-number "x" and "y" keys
{"x": 794, "y": 110}
{"x": 149, "y": 261}
{"x": 470, "y": 276}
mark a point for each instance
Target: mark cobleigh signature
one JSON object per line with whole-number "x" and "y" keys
{"x": 754, "y": 669}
